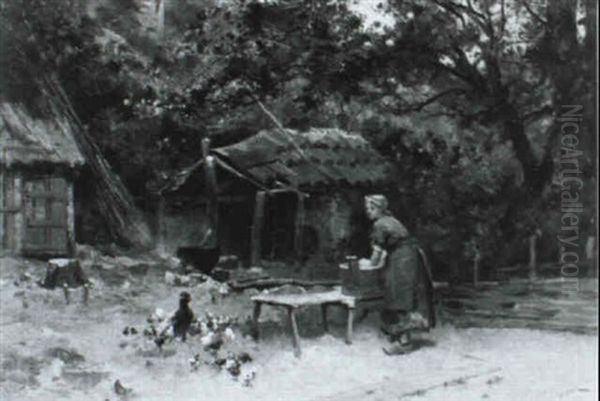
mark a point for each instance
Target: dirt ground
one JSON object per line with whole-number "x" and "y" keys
{"x": 54, "y": 351}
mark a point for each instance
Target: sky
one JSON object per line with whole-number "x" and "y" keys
{"x": 370, "y": 13}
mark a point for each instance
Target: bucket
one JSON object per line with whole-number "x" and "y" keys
{"x": 203, "y": 260}
{"x": 363, "y": 283}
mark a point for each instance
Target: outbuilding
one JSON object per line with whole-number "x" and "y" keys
{"x": 279, "y": 195}
{"x": 39, "y": 159}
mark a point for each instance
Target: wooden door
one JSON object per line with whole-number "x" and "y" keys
{"x": 8, "y": 211}
{"x": 45, "y": 205}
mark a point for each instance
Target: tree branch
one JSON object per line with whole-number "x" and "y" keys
{"x": 453, "y": 12}
{"x": 469, "y": 70}
{"x": 421, "y": 105}
{"x": 534, "y": 114}
{"x": 453, "y": 8}
{"x": 533, "y": 13}
{"x": 475, "y": 12}
{"x": 502, "y": 16}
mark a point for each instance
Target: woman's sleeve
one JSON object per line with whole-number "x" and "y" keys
{"x": 387, "y": 232}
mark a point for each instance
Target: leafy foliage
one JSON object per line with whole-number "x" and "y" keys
{"x": 459, "y": 93}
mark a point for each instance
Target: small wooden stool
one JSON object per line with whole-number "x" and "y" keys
{"x": 66, "y": 274}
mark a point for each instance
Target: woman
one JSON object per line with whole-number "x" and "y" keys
{"x": 408, "y": 290}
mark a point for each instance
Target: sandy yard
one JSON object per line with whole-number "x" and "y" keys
{"x": 453, "y": 363}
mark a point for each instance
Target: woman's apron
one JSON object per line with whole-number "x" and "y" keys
{"x": 407, "y": 280}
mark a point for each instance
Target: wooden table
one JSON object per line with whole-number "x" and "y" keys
{"x": 293, "y": 302}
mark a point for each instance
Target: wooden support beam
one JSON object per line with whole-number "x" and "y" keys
{"x": 257, "y": 226}
{"x": 287, "y": 191}
{"x": 71, "y": 240}
{"x": 211, "y": 186}
{"x": 19, "y": 221}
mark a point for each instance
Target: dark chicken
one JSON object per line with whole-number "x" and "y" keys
{"x": 184, "y": 316}
{"x": 180, "y": 321}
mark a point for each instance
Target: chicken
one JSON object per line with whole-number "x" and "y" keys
{"x": 182, "y": 320}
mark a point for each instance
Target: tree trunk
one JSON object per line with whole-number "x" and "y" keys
{"x": 514, "y": 130}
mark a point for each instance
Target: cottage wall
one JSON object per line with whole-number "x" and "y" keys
{"x": 328, "y": 216}
{"x": 333, "y": 228}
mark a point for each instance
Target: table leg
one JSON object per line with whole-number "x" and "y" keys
{"x": 296, "y": 335}
{"x": 349, "y": 325}
{"x": 86, "y": 294}
{"x": 255, "y": 316}
{"x": 324, "y": 317}
{"x": 66, "y": 294}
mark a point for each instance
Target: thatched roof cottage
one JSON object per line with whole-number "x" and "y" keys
{"x": 38, "y": 159}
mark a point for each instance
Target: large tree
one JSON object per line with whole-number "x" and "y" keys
{"x": 459, "y": 93}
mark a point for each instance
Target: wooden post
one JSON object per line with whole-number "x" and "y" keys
{"x": 532, "y": 256}
{"x": 295, "y": 332}
{"x": 349, "y": 324}
{"x": 299, "y": 226}
{"x": 66, "y": 293}
{"x": 211, "y": 187}
{"x": 86, "y": 294}
{"x": 257, "y": 225}
{"x": 255, "y": 318}
{"x": 70, "y": 218}
{"x": 476, "y": 260}
{"x": 324, "y": 317}
{"x": 19, "y": 219}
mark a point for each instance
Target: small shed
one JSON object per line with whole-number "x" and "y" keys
{"x": 281, "y": 194}
{"x": 38, "y": 162}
